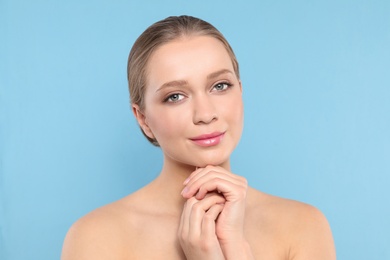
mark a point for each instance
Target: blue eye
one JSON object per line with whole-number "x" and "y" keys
{"x": 222, "y": 86}
{"x": 174, "y": 98}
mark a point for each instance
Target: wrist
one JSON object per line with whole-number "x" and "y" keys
{"x": 234, "y": 250}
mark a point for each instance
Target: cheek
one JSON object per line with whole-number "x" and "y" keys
{"x": 235, "y": 109}
{"x": 237, "y": 117}
{"x": 167, "y": 124}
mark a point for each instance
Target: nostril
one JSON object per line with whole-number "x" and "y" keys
{"x": 205, "y": 119}
{"x": 204, "y": 110}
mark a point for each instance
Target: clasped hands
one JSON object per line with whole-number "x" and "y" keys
{"x": 212, "y": 221}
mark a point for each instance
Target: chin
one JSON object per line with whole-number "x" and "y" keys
{"x": 201, "y": 159}
{"x": 223, "y": 165}
{"x": 220, "y": 161}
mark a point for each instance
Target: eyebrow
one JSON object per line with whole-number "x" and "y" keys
{"x": 175, "y": 83}
{"x": 180, "y": 83}
{"x": 218, "y": 73}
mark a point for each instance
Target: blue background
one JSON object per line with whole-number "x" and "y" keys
{"x": 317, "y": 105}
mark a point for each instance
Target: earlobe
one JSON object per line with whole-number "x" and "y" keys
{"x": 142, "y": 121}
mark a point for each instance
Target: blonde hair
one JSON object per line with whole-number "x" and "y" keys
{"x": 160, "y": 33}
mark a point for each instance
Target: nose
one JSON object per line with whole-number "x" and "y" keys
{"x": 204, "y": 110}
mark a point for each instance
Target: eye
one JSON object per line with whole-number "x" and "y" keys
{"x": 222, "y": 86}
{"x": 174, "y": 98}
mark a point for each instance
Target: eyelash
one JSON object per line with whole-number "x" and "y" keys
{"x": 168, "y": 99}
{"x": 228, "y": 85}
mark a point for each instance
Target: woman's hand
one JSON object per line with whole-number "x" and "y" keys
{"x": 230, "y": 223}
{"x": 197, "y": 227}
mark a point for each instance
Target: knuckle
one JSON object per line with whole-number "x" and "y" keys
{"x": 182, "y": 236}
{"x": 209, "y": 167}
{"x": 206, "y": 245}
{"x": 197, "y": 207}
{"x": 243, "y": 180}
{"x": 192, "y": 241}
{"x": 208, "y": 217}
{"x": 216, "y": 179}
{"x": 191, "y": 201}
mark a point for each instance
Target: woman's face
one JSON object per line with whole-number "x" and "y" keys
{"x": 193, "y": 102}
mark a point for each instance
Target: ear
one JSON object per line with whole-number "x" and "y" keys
{"x": 143, "y": 123}
{"x": 239, "y": 82}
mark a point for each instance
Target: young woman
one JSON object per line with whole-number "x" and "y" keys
{"x": 186, "y": 95}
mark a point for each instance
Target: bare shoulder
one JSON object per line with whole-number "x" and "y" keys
{"x": 303, "y": 228}
{"x": 102, "y": 233}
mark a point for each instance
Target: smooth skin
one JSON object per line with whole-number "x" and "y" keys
{"x": 197, "y": 208}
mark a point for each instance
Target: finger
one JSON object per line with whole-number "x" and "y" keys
{"x": 230, "y": 191}
{"x": 184, "y": 226}
{"x": 192, "y": 174}
{"x": 209, "y": 218}
{"x": 201, "y": 207}
{"x": 195, "y": 186}
{"x": 200, "y": 172}
{"x": 212, "y": 170}
{"x": 197, "y": 212}
{"x": 192, "y": 188}
{"x": 213, "y": 193}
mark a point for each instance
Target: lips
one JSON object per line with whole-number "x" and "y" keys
{"x": 207, "y": 140}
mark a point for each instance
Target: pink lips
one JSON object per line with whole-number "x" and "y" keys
{"x": 208, "y": 139}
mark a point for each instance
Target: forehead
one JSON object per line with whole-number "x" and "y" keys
{"x": 186, "y": 58}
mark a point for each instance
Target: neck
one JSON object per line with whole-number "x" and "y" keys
{"x": 173, "y": 175}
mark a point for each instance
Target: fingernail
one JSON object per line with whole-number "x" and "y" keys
{"x": 186, "y": 181}
{"x": 184, "y": 190}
